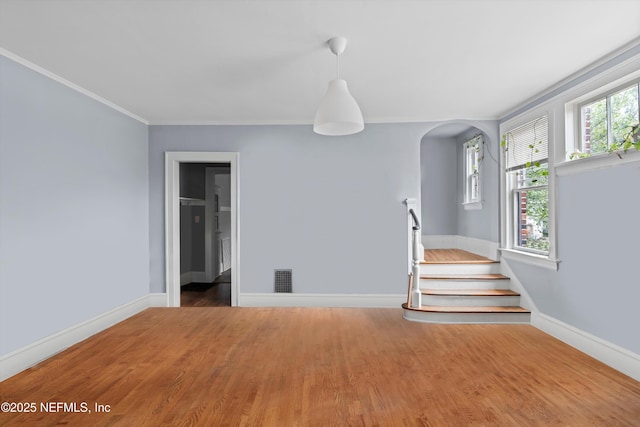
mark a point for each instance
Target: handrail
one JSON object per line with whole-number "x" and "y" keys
{"x": 416, "y": 223}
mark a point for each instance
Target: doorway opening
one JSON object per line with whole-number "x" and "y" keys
{"x": 205, "y": 234}
{"x": 202, "y": 244}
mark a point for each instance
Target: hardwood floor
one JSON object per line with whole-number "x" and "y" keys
{"x": 453, "y": 256}
{"x": 321, "y": 367}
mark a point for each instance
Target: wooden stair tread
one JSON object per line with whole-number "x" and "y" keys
{"x": 467, "y": 309}
{"x": 463, "y": 277}
{"x": 453, "y": 256}
{"x": 471, "y": 292}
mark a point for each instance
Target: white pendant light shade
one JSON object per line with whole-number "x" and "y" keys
{"x": 338, "y": 113}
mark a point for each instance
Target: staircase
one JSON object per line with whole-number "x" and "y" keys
{"x": 461, "y": 287}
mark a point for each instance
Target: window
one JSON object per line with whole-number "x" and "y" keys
{"x": 607, "y": 120}
{"x": 527, "y": 186}
{"x": 472, "y": 158}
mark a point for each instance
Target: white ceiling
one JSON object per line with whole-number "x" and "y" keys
{"x": 254, "y": 62}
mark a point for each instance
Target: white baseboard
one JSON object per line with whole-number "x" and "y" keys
{"x": 477, "y": 246}
{"x": 516, "y": 285}
{"x": 321, "y": 300}
{"x": 485, "y": 248}
{"x": 610, "y": 354}
{"x": 439, "y": 242}
{"x": 158, "y": 300}
{"x": 23, "y": 358}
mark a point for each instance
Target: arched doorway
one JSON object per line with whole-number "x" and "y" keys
{"x": 445, "y": 216}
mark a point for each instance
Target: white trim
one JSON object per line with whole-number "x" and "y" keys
{"x": 380, "y": 120}
{"x": 472, "y": 206}
{"x": 440, "y": 241}
{"x": 514, "y": 284}
{"x": 25, "y": 357}
{"x": 531, "y": 259}
{"x": 158, "y": 300}
{"x": 65, "y": 82}
{"x": 482, "y": 247}
{"x": 610, "y": 354}
{"x": 603, "y": 161}
{"x": 172, "y": 218}
{"x": 321, "y": 300}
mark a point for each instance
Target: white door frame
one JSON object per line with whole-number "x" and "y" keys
{"x": 172, "y": 218}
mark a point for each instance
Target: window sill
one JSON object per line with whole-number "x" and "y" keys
{"x": 600, "y": 161}
{"x": 472, "y": 206}
{"x": 531, "y": 259}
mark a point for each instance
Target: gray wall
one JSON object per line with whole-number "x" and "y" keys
{"x": 596, "y": 287}
{"x": 73, "y": 207}
{"x": 439, "y": 186}
{"x": 330, "y": 208}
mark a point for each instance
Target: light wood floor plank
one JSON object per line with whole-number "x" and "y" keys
{"x": 228, "y": 366}
{"x": 453, "y": 256}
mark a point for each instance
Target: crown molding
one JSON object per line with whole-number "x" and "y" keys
{"x": 18, "y": 59}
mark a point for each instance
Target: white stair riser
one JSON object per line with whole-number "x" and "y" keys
{"x": 472, "y": 301}
{"x": 474, "y": 318}
{"x": 463, "y": 284}
{"x": 453, "y": 269}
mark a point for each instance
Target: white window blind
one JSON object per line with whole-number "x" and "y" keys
{"x": 527, "y": 143}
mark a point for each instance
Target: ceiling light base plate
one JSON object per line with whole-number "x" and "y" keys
{"x": 337, "y": 45}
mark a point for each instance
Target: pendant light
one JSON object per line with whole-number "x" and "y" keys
{"x": 338, "y": 113}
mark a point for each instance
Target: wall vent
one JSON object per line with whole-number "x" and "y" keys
{"x": 282, "y": 281}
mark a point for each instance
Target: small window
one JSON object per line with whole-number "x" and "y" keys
{"x": 606, "y": 121}
{"x": 473, "y": 154}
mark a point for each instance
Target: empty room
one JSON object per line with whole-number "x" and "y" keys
{"x": 317, "y": 213}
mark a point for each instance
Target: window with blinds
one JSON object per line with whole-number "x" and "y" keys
{"x": 526, "y": 160}
{"x": 527, "y": 145}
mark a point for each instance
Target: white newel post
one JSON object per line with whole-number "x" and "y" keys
{"x": 416, "y": 252}
{"x": 416, "y": 295}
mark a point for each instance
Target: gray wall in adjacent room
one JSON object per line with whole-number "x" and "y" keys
{"x": 197, "y": 220}
{"x": 439, "y": 178}
{"x": 484, "y": 223}
{"x": 330, "y": 208}
{"x": 74, "y": 240}
{"x": 441, "y": 163}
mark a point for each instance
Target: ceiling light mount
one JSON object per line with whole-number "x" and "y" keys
{"x": 338, "y": 113}
{"x": 337, "y": 45}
